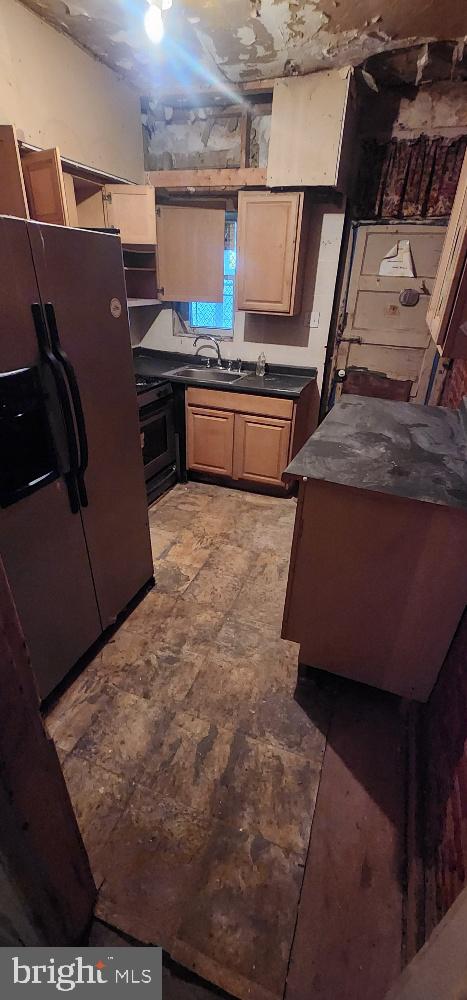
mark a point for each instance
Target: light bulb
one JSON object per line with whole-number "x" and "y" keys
{"x": 154, "y": 24}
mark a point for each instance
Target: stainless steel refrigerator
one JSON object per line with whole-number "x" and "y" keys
{"x": 74, "y": 533}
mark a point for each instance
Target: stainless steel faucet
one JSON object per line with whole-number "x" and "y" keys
{"x": 212, "y": 343}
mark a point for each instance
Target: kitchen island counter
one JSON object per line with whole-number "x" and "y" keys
{"x": 377, "y": 579}
{"x": 405, "y": 449}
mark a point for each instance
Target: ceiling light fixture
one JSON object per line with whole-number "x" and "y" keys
{"x": 153, "y": 23}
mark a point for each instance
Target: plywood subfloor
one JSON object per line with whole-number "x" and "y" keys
{"x": 177, "y": 982}
{"x": 192, "y": 769}
{"x": 348, "y": 940}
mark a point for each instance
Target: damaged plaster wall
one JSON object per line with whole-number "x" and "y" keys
{"x": 407, "y": 112}
{"x": 437, "y": 109}
{"x": 402, "y": 93}
{"x": 58, "y": 95}
{"x": 201, "y": 137}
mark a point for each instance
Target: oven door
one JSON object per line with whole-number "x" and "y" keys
{"x": 157, "y": 436}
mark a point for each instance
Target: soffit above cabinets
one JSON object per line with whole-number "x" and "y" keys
{"x": 217, "y": 42}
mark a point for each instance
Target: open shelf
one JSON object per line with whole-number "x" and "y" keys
{"x": 139, "y": 264}
{"x": 139, "y": 248}
{"x": 134, "y": 303}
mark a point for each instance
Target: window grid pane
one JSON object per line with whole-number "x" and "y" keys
{"x": 215, "y": 315}
{"x": 220, "y": 315}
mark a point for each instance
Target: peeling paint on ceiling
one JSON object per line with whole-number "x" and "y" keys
{"x": 235, "y": 40}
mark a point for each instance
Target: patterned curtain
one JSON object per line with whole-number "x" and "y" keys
{"x": 408, "y": 178}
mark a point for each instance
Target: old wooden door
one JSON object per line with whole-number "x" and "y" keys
{"x": 383, "y": 343}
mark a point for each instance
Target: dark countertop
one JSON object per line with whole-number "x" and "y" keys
{"x": 404, "y": 449}
{"x": 280, "y": 380}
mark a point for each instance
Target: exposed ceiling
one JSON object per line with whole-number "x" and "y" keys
{"x": 239, "y": 40}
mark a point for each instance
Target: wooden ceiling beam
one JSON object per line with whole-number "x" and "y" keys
{"x": 220, "y": 178}
{"x": 197, "y": 95}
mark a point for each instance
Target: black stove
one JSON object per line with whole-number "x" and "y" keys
{"x": 157, "y": 429}
{"x": 144, "y": 382}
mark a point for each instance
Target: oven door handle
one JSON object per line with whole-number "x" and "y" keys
{"x": 76, "y": 399}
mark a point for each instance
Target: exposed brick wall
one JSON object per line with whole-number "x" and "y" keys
{"x": 455, "y": 386}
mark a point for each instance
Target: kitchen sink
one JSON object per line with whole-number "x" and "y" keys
{"x": 208, "y": 374}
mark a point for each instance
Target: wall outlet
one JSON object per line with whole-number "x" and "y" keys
{"x": 314, "y": 319}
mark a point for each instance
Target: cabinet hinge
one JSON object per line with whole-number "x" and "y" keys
{"x": 107, "y": 197}
{"x": 160, "y": 291}
{"x": 158, "y": 211}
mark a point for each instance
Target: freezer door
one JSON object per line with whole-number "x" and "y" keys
{"x": 80, "y": 276}
{"x": 42, "y": 543}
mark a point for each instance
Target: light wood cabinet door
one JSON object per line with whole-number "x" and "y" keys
{"x": 443, "y": 326}
{"x": 13, "y": 199}
{"x": 43, "y": 178}
{"x": 89, "y": 204}
{"x": 270, "y": 251}
{"x": 261, "y": 448}
{"x": 210, "y": 436}
{"x": 190, "y": 253}
{"x": 131, "y": 208}
{"x": 312, "y": 126}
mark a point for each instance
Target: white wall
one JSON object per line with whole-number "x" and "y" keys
{"x": 58, "y": 95}
{"x": 327, "y": 224}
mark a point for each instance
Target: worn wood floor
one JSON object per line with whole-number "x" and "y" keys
{"x": 192, "y": 769}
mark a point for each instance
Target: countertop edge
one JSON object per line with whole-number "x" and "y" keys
{"x": 378, "y": 490}
{"x": 166, "y": 362}
{"x": 235, "y": 387}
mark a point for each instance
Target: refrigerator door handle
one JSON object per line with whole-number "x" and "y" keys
{"x": 49, "y": 358}
{"x": 75, "y": 396}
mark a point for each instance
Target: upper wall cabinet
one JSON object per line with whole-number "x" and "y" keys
{"x": 34, "y": 184}
{"x": 13, "y": 200}
{"x": 312, "y": 124}
{"x": 131, "y": 208}
{"x": 447, "y": 311}
{"x": 190, "y": 253}
{"x": 271, "y": 251}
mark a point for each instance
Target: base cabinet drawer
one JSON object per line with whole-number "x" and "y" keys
{"x": 261, "y": 448}
{"x": 262, "y": 406}
{"x": 210, "y": 439}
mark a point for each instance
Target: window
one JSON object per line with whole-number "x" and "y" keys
{"x": 220, "y": 315}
